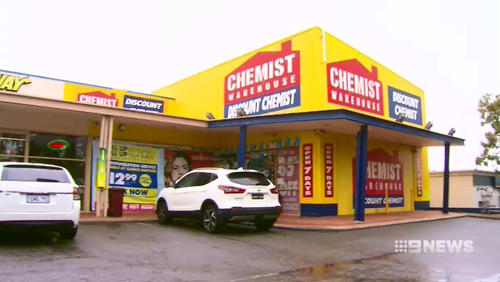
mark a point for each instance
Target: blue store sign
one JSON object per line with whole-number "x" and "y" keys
{"x": 401, "y": 102}
{"x": 143, "y": 104}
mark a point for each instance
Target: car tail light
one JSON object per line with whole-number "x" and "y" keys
{"x": 76, "y": 194}
{"x": 231, "y": 190}
{"x": 274, "y": 191}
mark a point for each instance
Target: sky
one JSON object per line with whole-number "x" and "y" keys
{"x": 448, "y": 48}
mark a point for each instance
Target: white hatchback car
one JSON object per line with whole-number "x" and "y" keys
{"x": 218, "y": 196}
{"x": 39, "y": 195}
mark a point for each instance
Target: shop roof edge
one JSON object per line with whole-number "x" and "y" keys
{"x": 338, "y": 115}
{"x": 243, "y": 55}
{"x": 376, "y": 61}
{"x": 77, "y": 83}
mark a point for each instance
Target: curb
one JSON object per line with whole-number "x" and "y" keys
{"x": 484, "y": 216}
{"x": 337, "y": 229}
{"x": 311, "y": 228}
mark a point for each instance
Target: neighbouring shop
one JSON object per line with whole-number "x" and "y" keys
{"x": 62, "y": 150}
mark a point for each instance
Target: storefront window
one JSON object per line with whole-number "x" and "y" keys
{"x": 39, "y": 146}
{"x": 264, "y": 162}
{"x": 76, "y": 168}
{"x": 12, "y": 145}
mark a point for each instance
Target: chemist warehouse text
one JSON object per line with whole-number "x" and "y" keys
{"x": 265, "y": 88}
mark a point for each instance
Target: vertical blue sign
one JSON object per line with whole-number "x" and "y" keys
{"x": 401, "y": 102}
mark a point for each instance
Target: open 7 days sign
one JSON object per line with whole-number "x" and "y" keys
{"x": 267, "y": 82}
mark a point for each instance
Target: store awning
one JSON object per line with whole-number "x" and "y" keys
{"x": 341, "y": 121}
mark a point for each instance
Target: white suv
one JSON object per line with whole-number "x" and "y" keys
{"x": 219, "y": 196}
{"x": 39, "y": 195}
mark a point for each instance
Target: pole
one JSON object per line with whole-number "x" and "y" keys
{"x": 108, "y": 163}
{"x": 446, "y": 179}
{"x": 242, "y": 146}
{"x": 102, "y": 144}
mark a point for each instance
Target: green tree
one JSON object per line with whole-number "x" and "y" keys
{"x": 489, "y": 109}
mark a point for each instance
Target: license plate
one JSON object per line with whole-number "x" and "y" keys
{"x": 37, "y": 199}
{"x": 257, "y": 196}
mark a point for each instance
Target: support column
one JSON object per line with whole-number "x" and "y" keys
{"x": 242, "y": 146}
{"x": 361, "y": 164}
{"x": 105, "y": 141}
{"x": 108, "y": 163}
{"x": 87, "y": 190}
{"x": 446, "y": 179}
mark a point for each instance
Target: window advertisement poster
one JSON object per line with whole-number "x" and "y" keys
{"x": 179, "y": 162}
{"x": 288, "y": 180}
{"x": 135, "y": 168}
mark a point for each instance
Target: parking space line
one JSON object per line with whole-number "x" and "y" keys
{"x": 146, "y": 224}
{"x": 255, "y": 277}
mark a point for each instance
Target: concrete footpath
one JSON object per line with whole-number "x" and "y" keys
{"x": 338, "y": 223}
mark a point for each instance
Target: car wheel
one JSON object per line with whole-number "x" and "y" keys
{"x": 264, "y": 225}
{"x": 162, "y": 213}
{"x": 69, "y": 233}
{"x": 210, "y": 220}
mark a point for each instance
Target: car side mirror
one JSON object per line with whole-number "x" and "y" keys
{"x": 171, "y": 184}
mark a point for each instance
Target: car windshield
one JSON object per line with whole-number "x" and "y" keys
{"x": 248, "y": 178}
{"x": 33, "y": 173}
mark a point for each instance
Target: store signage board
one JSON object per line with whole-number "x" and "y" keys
{"x": 101, "y": 168}
{"x": 12, "y": 83}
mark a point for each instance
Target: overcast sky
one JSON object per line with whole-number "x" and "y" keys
{"x": 451, "y": 49}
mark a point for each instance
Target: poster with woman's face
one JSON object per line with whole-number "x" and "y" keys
{"x": 180, "y": 162}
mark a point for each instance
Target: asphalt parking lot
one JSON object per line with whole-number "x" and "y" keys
{"x": 182, "y": 252}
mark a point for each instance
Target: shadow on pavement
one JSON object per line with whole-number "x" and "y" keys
{"x": 230, "y": 229}
{"x": 28, "y": 238}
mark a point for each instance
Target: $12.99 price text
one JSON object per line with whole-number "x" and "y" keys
{"x": 119, "y": 178}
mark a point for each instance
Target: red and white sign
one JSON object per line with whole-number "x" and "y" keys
{"x": 138, "y": 207}
{"x": 307, "y": 166}
{"x": 383, "y": 172}
{"x": 418, "y": 164}
{"x": 134, "y": 207}
{"x": 267, "y": 82}
{"x": 328, "y": 170}
{"x": 353, "y": 86}
{"x": 98, "y": 98}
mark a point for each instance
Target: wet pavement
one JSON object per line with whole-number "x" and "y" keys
{"x": 143, "y": 252}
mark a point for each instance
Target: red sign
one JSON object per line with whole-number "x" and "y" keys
{"x": 57, "y": 145}
{"x": 178, "y": 163}
{"x": 328, "y": 170}
{"x": 267, "y": 82}
{"x": 383, "y": 172}
{"x": 307, "y": 166}
{"x": 139, "y": 207}
{"x": 353, "y": 86}
{"x": 418, "y": 164}
{"x": 288, "y": 179}
{"x": 98, "y": 98}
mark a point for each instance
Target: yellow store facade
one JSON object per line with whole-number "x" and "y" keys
{"x": 337, "y": 132}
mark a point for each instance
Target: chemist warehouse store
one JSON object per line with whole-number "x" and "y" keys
{"x": 337, "y": 132}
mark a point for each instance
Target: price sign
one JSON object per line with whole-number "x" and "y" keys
{"x": 119, "y": 178}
